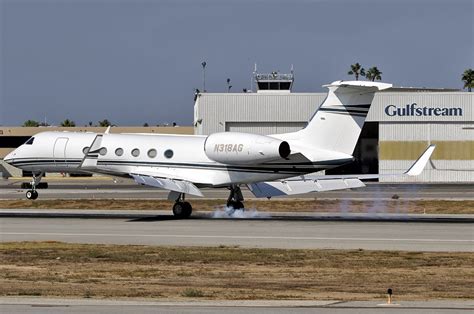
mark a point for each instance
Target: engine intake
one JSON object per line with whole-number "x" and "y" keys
{"x": 244, "y": 148}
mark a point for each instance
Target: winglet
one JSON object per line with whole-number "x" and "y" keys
{"x": 108, "y": 130}
{"x": 421, "y": 162}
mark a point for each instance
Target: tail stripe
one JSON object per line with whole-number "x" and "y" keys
{"x": 341, "y": 111}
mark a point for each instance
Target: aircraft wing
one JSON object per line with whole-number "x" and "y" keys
{"x": 320, "y": 183}
{"x": 180, "y": 186}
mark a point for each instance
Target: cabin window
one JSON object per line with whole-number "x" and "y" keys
{"x": 103, "y": 151}
{"x": 30, "y": 141}
{"x": 119, "y": 152}
{"x": 135, "y": 152}
{"x": 168, "y": 153}
{"x": 152, "y": 153}
{"x": 85, "y": 150}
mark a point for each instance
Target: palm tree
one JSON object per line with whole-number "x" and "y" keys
{"x": 105, "y": 123}
{"x": 356, "y": 70}
{"x": 31, "y": 123}
{"x": 68, "y": 123}
{"x": 468, "y": 79}
{"x": 373, "y": 74}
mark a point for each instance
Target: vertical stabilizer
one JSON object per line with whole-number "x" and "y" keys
{"x": 337, "y": 123}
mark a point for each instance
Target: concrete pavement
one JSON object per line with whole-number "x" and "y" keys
{"x": 15, "y": 305}
{"x": 103, "y": 188}
{"x": 287, "y": 233}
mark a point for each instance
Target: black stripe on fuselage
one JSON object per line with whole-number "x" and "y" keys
{"x": 294, "y": 171}
{"x": 268, "y": 168}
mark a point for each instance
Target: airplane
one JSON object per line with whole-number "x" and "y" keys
{"x": 273, "y": 165}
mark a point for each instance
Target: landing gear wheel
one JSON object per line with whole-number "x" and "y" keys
{"x": 31, "y": 194}
{"x": 182, "y": 210}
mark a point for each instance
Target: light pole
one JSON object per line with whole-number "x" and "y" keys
{"x": 204, "y": 76}
{"x": 228, "y": 85}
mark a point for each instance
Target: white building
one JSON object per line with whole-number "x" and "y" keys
{"x": 400, "y": 125}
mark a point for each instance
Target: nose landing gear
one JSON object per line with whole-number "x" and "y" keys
{"x": 33, "y": 194}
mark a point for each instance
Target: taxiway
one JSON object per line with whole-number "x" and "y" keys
{"x": 104, "y": 188}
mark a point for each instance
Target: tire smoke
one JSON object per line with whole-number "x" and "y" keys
{"x": 229, "y": 212}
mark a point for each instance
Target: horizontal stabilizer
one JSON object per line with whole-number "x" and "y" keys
{"x": 167, "y": 184}
{"x": 415, "y": 169}
{"x": 280, "y": 188}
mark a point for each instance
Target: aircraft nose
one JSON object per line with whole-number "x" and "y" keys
{"x": 9, "y": 157}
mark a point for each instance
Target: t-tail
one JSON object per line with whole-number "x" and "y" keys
{"x": 337, "y": 123}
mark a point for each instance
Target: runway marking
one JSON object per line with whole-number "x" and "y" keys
{"x": 231, "y": 237}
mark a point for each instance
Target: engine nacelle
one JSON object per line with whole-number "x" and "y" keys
{"x": 244, "y": 148}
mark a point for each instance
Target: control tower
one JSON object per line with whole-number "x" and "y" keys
{"x": 274, "y": 81}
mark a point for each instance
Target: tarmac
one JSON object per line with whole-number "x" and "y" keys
{"x": 15, "y": 305}
{"x": 104, "y": 188}
{"x": 253, "y": 229}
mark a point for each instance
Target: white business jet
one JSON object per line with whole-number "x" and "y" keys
{"x": 273, "y": 165}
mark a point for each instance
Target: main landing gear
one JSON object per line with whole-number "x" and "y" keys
{"x": 235, "y": 200}
{"x": 33, "y": 194}
{"x": 181, "y": 208}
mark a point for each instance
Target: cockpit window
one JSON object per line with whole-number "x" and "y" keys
{"x": 30, "y": 141}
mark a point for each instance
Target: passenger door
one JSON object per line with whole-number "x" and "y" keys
{"x": 59, "y": 152}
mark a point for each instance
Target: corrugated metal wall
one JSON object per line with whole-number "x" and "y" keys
{"x": 264, "y": 127}
{"x": 213, "y": 111}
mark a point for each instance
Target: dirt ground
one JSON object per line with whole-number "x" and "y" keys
{"x": 295, "y": 205}
{"x": 114, "y": 271}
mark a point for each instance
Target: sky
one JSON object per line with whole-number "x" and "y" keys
{"x": 137, "y": 61}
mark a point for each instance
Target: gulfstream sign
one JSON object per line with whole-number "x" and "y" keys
{"x": 416, "y": 111}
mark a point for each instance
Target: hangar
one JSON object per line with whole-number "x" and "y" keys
{"x": 401, "y": 123}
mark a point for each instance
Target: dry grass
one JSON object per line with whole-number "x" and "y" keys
{"x": 295, "y": 205}
{"x": 80, "y": 270}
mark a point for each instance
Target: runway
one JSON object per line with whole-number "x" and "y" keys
{"x": 292, "y": 232}
{"x": 45, "y": 305}
{"x": 104, "y": 188}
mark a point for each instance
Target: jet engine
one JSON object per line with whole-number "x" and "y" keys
{"x": 243, "y": 148}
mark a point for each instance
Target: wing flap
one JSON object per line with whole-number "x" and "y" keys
{"x": 167, "y": 184}
{"x": 280, "y": 188}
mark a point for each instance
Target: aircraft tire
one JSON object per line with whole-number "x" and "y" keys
{"x": 188, "y": 209}
{"x": 31, "y": 194}
{"x": 182, "y": 210}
